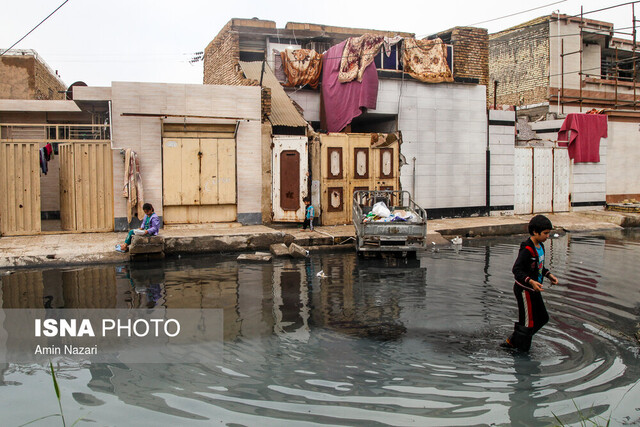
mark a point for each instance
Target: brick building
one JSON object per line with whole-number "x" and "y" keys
{"x": 558, "y": 64}
{"x": 24, "y": 75}
{"x": 445, "y": 165}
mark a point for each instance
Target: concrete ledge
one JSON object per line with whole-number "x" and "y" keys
{"x": 485, "y": 230}
{"x": 226, "y": 243}
{"x": 146, "y": 245}
{"x": 88, "y": 248}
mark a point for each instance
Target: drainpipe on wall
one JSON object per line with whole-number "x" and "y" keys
{"x": 495, "y": 93}
{"x": 488, "y": 163}
{"x": 110, "y": 125}
{"x": 413, "y": 189}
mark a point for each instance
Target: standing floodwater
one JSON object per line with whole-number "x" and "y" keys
{"x": 337, "y": 340}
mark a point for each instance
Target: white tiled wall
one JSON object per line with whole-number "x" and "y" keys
{"x": 309, "y": 101}
{"x": 444, "y": 126}
{"x": 502, "y": 147}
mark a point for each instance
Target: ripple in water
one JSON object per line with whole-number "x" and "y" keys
{"x": 409, "y": 342}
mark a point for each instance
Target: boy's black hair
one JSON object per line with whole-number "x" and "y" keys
{"x": 539, "y": 223}
{"x": 147, "y": 207}
{"x": 306, "y": 199}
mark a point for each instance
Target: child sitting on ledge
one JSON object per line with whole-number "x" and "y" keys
{"x": 149, "y": 227}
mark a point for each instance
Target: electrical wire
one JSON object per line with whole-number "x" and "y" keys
{"x": 23, "y": 37}
{"x": 514, "y": 14}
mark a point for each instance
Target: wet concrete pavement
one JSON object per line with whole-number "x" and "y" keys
{"x": 80, "y": 248}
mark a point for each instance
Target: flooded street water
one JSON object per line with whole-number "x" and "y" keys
{"x": 373, "y": 342}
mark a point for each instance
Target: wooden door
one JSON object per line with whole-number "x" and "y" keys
{"x": 335, "y": 179}
{"x": 67, "y": 188}
{"x": 542, "y": 180}
{"x": 290, "y": 180}
{"x": 227, "y": 194}
{"x": 523, "y": 180}
{"x": 199, "y": 180}
{"x": 19, "y": 188}
{"x": 208, "y": 176}
{"x": 561, "y": 180}
{"x": 86, "y": 186}
{"x": 289, "y": 167}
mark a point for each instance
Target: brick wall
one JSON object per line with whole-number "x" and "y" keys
{"x": 46, "y": 84}
{"x": 221, "y": 58}
{"x": 519, "y": 61}
{"x": 471, "y": 53}
{"x": 15, "y": 75}
{"x": 221, "y": 66}
{"x": 265, "y": 101}
{"x": 25, "y": 77}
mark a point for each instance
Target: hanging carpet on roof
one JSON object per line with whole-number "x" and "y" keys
{"x": 344, "y": 101}
{"x": 357, "y": 54}
{"x": 302, "y": 67}
{"x": 426, "y": 60}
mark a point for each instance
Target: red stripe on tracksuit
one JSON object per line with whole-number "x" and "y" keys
{"x": 528, "y": 318}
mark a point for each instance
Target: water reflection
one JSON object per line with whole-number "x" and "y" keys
{"x": 390, "y": 341}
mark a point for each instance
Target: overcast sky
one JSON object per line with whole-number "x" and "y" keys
{"x": 153, "y": 40}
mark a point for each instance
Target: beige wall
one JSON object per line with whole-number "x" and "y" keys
{"x": 144, "y": 134}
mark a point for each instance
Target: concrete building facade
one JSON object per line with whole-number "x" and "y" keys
{"x": 558, "y": 64}
{"x": 443, "y": 125}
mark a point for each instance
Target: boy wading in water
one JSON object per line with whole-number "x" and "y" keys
{"x": 529, "y": 272}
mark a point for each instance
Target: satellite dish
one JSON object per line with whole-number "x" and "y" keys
{"x": 70, "y": 90}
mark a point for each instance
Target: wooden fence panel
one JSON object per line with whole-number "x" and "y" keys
{"x": 86, "y": 186}
{"x": 226, "y": 171}
{"x": 67, "y": 188}
{"x": 19, "y": 188}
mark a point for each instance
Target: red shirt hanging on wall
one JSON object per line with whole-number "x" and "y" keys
{"x": 586, "y": 131}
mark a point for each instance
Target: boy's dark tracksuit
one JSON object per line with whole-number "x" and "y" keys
{"x": 532, "y": 312}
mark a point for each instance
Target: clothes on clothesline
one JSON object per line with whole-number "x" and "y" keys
{"x": 132, "y": 189}
{"x": 426, "y": 60}
{"x": 583, "y": 133}
{"x": 45, "y": 154}
{"x": 44, "y": 168}
{"x": 344, "y": 101}
{"x": 302, "y": 67}
{"x": 358, "y": 53}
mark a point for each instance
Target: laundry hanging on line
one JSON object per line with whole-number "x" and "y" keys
{"x": 132, "y": 189}
{"x": 583, "y": 133}
{"x": 301, "y": 67}
{"x": 426, "y": 60}
{"x": 45, "y": 154}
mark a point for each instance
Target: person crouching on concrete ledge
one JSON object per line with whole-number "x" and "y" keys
{"x": 149, "y": 227}
{"x": 529, "y": 272}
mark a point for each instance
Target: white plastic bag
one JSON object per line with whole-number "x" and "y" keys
{"x": 381, "y": 210}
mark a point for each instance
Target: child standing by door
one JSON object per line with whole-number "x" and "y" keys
{"x": 308, "y": 216}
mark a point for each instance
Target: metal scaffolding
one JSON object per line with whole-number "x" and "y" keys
{"x": 620, "y": 71}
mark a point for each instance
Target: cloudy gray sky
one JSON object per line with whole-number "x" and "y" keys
{"x": 152, "y": 40}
